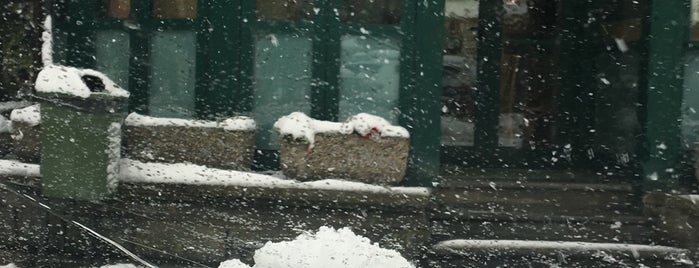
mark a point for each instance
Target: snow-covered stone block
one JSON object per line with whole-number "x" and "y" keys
{"x": 364, "y": 148}
{"x": 227, "y": 145}
{"x": 26, "y": 131}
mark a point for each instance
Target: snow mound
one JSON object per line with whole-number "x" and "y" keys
{"x": 30, "y": 115}
{"x": 179, "y": 173}
{"x": 238, "y": 123}
{"x": 5, "y": 125}
{"x": 234, "y": 263}
{"x": 326, "y": 248}
{"x": 300, "y": 126}
{"x": 11, "y": 265}
{"x": 69, "y": 80}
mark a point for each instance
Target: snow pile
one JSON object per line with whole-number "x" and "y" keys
{"x": 11, "y": 265}
{"x": 16, "y": 168}
{"x": 69, "y": 80}
{"x": 237, "y": 123}
{"x": 11, "y": 105}
{"x": 139, "y": 172}
{"x": 326, "y": 248}
{"x": 30, "y": 115}
{"x": 300, "y": 126}
{"x": 365, "y": 124}
{"x": 5, "y": 125}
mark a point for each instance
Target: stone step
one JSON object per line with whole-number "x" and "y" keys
{"x": 487, "y": 225}
{"x": 538, "y": 253}
{"x": 541, "y": 198}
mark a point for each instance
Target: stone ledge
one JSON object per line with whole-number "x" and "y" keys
{"x": 297, "y": 196}
{"x": 523, "y": 247}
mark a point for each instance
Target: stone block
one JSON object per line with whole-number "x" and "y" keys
{"x": 346, "y": 156}
{"x": 209, "y": 146}
{"x": 27, "y": 142}
{"x": 26, "y": 130}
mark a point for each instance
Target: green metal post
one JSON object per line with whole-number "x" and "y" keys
{"x": 661, "y": 91}
{"x": 423, "y": 118}
{"x": 489, "y": 56}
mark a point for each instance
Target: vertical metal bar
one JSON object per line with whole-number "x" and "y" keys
{"x": 140, "y": 67}
{"x": 326, "y": 61}
{"x": 489, "y": 61}
{"x": 422, "y": 118}
{"x": 661, "y": 92}
{"x": 80, "y": 31}
{"x": 576, "y": 106}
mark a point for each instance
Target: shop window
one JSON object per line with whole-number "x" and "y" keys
{"x": 371, "y": 11}
{"x": 286, "y": 10}
{"x": 175, "y": 9}
{"x": 118, "y": 9}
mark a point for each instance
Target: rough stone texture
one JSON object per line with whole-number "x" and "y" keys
{"x": 28, "y": 147}
{"x": 212, "y": 147}
{"x": 351, "y": 157}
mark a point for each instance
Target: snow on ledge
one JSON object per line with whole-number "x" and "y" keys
{"x": 68, "y": 80}
{"x": 238, "y": 123}
{"x": 30, "y": 115}
{"x": 139, "y": 172}
{"x": 16, "y": 168}
{"x": 299, "y": 125}
{"x": 572, "y": 247}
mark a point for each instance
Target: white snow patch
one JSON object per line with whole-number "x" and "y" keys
{"x": 365, "y": 124}
{"x": 234, "y": 263}
{"x": 5, "y": 125}
{"x": 11, "y": 105}
{"x": 653, "y": 176}
{"x": 10, "y": 265}
{"x": 661, "y": 146}
{"x": 30, "y": 115}
{"x": 68, "y": 80}
{"x": 621, "y": 44}
{"x": 16, "y": 168}
{"x": 573, "y": 247}
{"x": 47, "y": 45}
{"x": 232, "y": 124}
{"x": 326, "y": 248}
{"x": 239, "y": 123}
{"x": 299, "y": 125}
{"x": 692, "y": 198}
{"x": 114, "y": 154}
{"x": 135, "y": 171}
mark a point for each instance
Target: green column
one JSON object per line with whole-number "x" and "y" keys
{"x": 420, "y": 107}
{"x": 661, "y": 91}
{"x": 489, "y": 56}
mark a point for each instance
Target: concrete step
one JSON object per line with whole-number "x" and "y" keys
{"x": 543, "y": 198}
{"x": 487, "y": 225}
{"x": 530, "y": 253}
